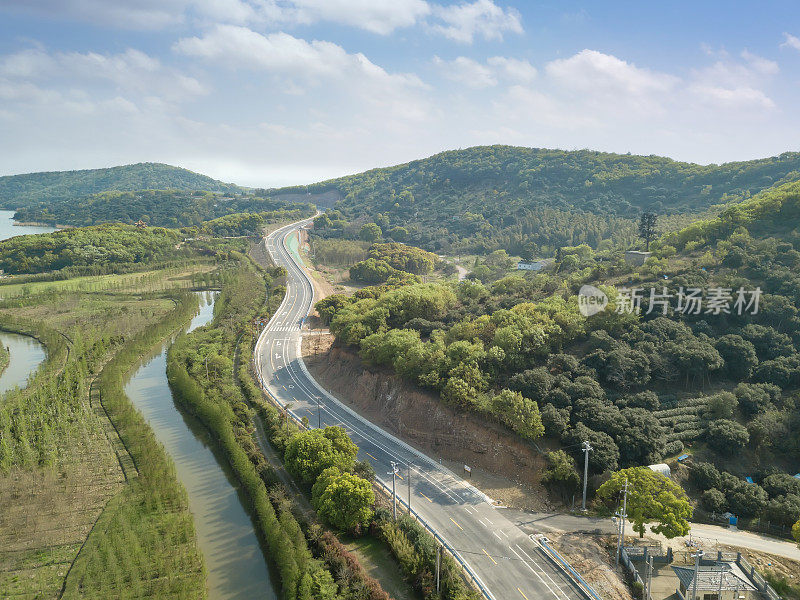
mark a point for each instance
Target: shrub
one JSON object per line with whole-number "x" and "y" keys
{"x": 725, "y": 435}
{"x": 704, "y": 476}
{"x": 714, "y": 501}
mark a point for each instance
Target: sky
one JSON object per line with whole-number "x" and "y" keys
{"x": 267, "y": 93}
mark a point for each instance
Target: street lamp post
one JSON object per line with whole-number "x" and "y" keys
{"x": 394, "y": 493}
{"x": 586, "y": 449}
{"x": 409, "y": 488}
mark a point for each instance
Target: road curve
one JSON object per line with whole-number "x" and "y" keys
{"x": 504, "y": 561}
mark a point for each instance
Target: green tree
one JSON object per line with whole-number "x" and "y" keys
{"x": 370, "y": 232}
{"x": 647, "y": 228}
{"x": 714, "y": 501}
{"x": 725, "y": 435}
{"x": 309, "y": 453}
{"x": 519, "y": 413}
{"x": 346, "y": 502}
{"x": 561, "y": 475}
{"x": 651, "y": 497}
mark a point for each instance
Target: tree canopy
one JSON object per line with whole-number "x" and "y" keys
{"x": 651, "y": 498}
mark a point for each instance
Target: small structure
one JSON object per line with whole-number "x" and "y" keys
{"x": 716, "y": 579}
{"x": 661, "y": 468}
{"x": 536, "y": 265}
{"x": 140, "y": 224}
{"x": 636, "y": 258}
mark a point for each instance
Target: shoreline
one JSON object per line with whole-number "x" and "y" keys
{"x": 38, "y": 224}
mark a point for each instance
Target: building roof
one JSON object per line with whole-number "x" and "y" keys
{"x": 708, "y": 579}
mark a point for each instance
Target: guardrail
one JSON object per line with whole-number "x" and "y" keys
{"x": 760, "y": 583}
{"x": 472, "y": 576}
{"x": 383, "y": 487}
{"x": 559, "y": 561}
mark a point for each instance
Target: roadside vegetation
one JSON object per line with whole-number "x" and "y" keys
{"x": 719, "y": 386}
{"x": 92, "y": 504}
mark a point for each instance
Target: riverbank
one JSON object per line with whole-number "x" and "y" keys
{"x": 150, "y": 516}
{"x": 236, "y": 568}
{"x": 5, "y": 357}
{"x": 59, "y": 474}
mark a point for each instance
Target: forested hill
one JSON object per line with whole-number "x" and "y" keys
{"x": 487, "y": 178}
{"x": 19, "y": 191}
{"x": 500, "y": 196}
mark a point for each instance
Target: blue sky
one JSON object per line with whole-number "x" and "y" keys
{"x": 277, "y": 92}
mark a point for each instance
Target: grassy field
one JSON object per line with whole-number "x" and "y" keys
{"x": 378, "y": 561}
{"x": 68, "y": 508}
{"x": 194, "y": 275}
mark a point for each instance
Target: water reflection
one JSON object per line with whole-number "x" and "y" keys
{"x": 25, "y": 356}
{"x": 234, "y": 561}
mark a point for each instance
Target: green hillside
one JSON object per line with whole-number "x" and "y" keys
{"x": 18, "y": 191}
{"x": 774, "y": 211}
{"x": 491, "y": 197}
{"x": 163, "y": 208}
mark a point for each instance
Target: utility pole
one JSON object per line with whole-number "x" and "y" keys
{"x": 438, "y": 562}
{"x": 697, "y": 556}
{"x": 650, "y": 578}
{"x": 622, "y": 516}
{"x": 394, "y": 493}
{"x": 319, "y": 414}
{"x": 586, "y": 449}
{"x": 409, "y": 488}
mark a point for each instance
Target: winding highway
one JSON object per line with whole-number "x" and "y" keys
{"x": 505, "y": 563}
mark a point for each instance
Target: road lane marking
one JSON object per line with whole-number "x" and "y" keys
{"x": 504, "y": 533}
{"x": 370, "y": 455}
{"x": 456, "y": 524}
{"x": 497, "y": 536}
{"x": 523, "y": 593}
{"x": 426, "y": 498}
{"x": 545, "y": 573}
{"x": 487, "y": 554}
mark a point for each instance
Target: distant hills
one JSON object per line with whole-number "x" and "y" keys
{"x": 20, "y": 191}
{"x": 474, "y": 200}
{"x": 489, "y": 197}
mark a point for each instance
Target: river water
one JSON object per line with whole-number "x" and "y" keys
{"x": 26, "y": 353}
{"x": 8, "y": 229}
{"x": 235, "y": 565}
{"x": 25, "y": 356}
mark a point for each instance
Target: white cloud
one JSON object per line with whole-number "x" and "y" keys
{"x": 734, "y": 83}
{"x": 131, "y": 70}
{"x": 377, "y": 16}
{"x": 481, "y": 18}
{"x": 477, "y": 75}
{"x": 239, "y": 47}
{"x": 466, "y": 71}
{"x": 733, "y": 98}
{"x": 790, "y": 41}
{"x": 142, "y": 14}
{"x": 513, "y": 69}
{"x": 593, "y": 72}
{"x": 759, "y": 64}
{"x": 302, "y": 64}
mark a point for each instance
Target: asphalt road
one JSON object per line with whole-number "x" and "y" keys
{"x": 506, "y": 563}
